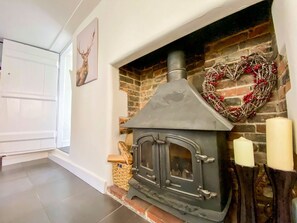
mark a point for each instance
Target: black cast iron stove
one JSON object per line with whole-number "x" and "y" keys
{"x": 179, "y": 151}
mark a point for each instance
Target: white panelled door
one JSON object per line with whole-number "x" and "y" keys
{"x": 28, "y": 99}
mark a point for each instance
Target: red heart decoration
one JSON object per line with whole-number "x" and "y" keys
{"x": 265, "y": 77}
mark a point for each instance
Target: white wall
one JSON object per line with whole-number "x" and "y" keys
{"x": 1, "y": 48}
{"x": 127, "y": 30}
{"x": 285, "y": 24}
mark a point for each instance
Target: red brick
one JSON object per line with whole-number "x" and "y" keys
{"x": 212, "y": 55}
{"x": 261, "y": 128}
{"x": 228, "y": 50}
{"x": 256, "y": 137}
{"x": 243, "y": 90}
{"x": 209, "y": 63}
{"x": 244, "y": 128}
{"x": 157, "y": 215}
{"x": 122, "y": 72}
{"x": 137, "y": 204}
{"x": 260, "y": 30}
{"x": 261, "y": 118}
{"x": 229, "y": 41}
{"x": 226, "y": 83}
{"x": 267, "y": 108}
{"x": 234, "y": 91}
{"x": 234, "y": 135}
{"x": 255, "y": 41}
{"x": 245, "y": 79}
{"x": 134, "y": 76}
{"x": 116, "y": 191}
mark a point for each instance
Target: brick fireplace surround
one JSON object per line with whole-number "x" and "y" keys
{"x": 140, "y": 85}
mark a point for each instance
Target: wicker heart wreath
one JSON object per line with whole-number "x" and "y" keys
{"x": 265, "y": 77}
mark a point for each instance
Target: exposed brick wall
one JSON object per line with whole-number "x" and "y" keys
{"x": 130, "y": 83}
{"x": 150, "y": 80}
{"x": 229, "y": 50}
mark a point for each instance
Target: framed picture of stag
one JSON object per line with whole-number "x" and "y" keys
{"x": 87, "y": 54}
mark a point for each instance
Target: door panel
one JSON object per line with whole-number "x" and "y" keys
{"x": 183, "y": 171}
{"x": 148, "y": 159}
{"x": 28, "y": 98}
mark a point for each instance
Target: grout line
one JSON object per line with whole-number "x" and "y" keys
{"x": 110, "y": 213}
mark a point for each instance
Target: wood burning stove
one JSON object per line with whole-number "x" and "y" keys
{"x": 179, "y": 151}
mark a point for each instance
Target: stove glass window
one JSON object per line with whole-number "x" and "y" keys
{"x": 180, "y": 162}
{"x": 146, "y": 155}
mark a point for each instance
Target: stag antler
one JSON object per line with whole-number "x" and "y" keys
{"x": 89, "y": 48}
{"x": 78, "y": 49}
{"x": 92, "y": 41}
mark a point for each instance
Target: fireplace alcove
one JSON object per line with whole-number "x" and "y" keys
{"x": 148, "y": 73}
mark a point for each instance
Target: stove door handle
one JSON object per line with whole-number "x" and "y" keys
{"x": 204, "y": 158}
{"x": 206, "y": 194}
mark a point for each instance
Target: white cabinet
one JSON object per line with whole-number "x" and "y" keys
{"x": 28, "y": 98}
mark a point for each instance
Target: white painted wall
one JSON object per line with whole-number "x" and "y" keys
{"x": 127, "y": 30}
{"x": 285, "y": 24}
{"x": 1, "y": 48}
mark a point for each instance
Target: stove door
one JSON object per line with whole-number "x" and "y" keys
{"x": 183, "y": 172}
{"x": 148, "y": 159}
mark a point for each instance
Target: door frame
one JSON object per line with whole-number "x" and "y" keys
{"x": 66, "y": 57}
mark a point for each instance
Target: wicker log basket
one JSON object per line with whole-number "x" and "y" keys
{"x": 122, "y": 166}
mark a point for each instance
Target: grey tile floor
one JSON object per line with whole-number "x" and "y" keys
{"x": 41, "y": 191}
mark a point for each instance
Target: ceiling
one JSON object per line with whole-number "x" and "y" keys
{"x": 47, "y": 24}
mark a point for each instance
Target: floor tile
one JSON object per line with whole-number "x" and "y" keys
{"x": 60, "y": 189}
{"x": 92, "y": 204}
{"x": 59, "y": 212}
{"x": 21, "y": 207}
{"x": 12, "y": 187}
{"x": 12, "y": 173}
{"x": 48, "y": 176}
{"x": 36, "y": 216}
{"x": 123, "y": 215}
{"x": 40, "y": 168}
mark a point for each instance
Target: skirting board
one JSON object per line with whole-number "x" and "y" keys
{"x": 87, "y": 176}
{"x": 19, "y": 158}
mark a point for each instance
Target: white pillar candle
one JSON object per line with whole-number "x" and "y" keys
{"x": 279, "y": 143}
{"x": 243, "y": 152}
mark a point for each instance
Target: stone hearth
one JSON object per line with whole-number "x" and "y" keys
{"x": 151, "y": 212}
